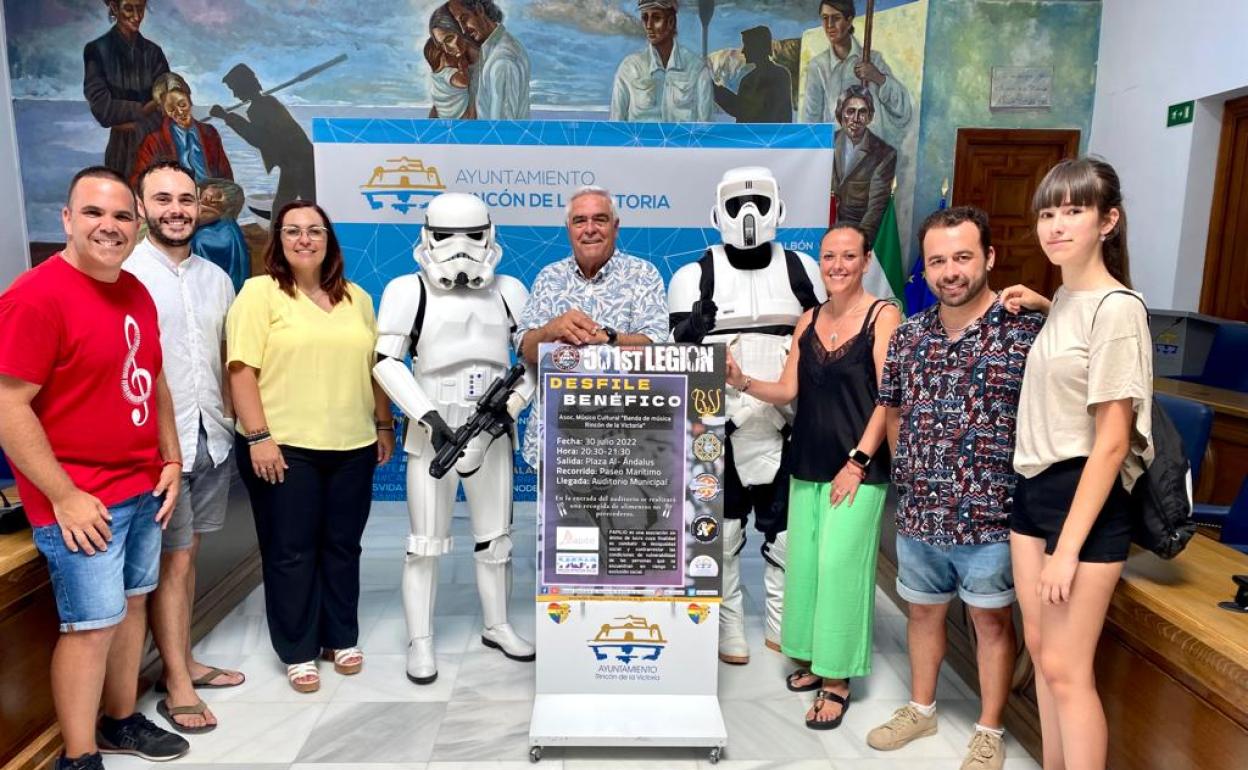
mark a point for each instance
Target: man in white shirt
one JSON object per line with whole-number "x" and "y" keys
{"x": 192, "y": 296}
{"x": 666, "y": 81}
{"x": 502, "y": 75}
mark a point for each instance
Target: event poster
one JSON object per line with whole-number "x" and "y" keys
{"x": 631, "y": 488}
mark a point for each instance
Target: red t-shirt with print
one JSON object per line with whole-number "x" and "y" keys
{"x": 94, "y": 350}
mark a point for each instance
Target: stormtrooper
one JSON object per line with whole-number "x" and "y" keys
{"x": 749, "y": 293}
{"x": 455, "y": 318}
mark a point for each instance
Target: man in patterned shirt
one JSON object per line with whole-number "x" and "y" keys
{"x": 950, "y": 386}
{"x": 597, "y": 296}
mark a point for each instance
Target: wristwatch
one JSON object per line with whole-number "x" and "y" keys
{"x": 613, "y": 337}
{"x": 859, "y": 458}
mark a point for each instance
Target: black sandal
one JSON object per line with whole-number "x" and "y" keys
{"x": 798, "y": 674}
{"x": 822, "y": 697}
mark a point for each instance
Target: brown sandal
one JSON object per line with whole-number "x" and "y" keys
{"x": 165, "y": 710}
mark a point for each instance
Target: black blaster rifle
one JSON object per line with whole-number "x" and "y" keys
{"x": 489, "y": 417}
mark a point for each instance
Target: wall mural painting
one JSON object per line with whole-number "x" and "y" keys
{"x": 229, "y": 87}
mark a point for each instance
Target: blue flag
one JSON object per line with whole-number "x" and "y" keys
{"x": 918, "y": 296}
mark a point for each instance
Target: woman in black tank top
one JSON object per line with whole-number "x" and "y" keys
{"x": 836, "y": 493}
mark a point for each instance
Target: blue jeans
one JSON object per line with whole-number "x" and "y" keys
{"x": 980, "y": 575}
{"x": 91, "y": 591}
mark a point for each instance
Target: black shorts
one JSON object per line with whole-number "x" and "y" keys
{"x": 1042, "y": 503}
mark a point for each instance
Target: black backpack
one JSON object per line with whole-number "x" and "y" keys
{"x": 1162, "y": 497}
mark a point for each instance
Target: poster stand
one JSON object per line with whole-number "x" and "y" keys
{"x": 629, "y": 556}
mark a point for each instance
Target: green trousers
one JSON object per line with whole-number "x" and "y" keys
{"x": 829, "y": 578}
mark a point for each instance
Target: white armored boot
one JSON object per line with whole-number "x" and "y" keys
{"x": 420, "y": 588}
{"x": 493, "y": 568}
{"x": 732, "y": 645}
{"x": 774, "y": 555}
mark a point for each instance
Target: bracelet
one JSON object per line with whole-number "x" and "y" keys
{"x": 384, "y": 424}
{"x": 258, "y": 438}
{"x": 263, "y": 429}
{"x": 171, "y": 462}
{"x": 385, "y": 427}
{"x": 746, "y": 385}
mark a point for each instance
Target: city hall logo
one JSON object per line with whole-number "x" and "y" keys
{"x": 405, "y": 184}
{"x": 708, "y": 448}
{"x": 566, "y": 358}
{"x": 628, "y": 639}
{"x": 698, "y": 613}
{"x": 558, "y": 611}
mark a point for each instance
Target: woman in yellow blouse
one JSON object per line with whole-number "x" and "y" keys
{"x": 312, "y": 427}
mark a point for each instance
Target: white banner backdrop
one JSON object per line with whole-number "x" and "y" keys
{"x": 375, "y": 177}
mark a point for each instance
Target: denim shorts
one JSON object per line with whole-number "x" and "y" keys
{"x": 91, "y": 591}
{"x": 980, "y": 575}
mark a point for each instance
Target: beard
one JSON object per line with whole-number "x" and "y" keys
{"x": 157, "y": 233}
{"x": 974, "y": 286}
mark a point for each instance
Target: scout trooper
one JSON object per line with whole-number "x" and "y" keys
{"x": 455, "y": 318}
{"x": 749, "y": 293}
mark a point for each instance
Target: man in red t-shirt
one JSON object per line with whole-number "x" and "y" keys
{"x": 87, "y": 423}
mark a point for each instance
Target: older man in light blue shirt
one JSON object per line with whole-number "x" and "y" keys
{"x": 665, "y": 82}
{"x": 597, "y": 296}
{"x": 501, "y": 77}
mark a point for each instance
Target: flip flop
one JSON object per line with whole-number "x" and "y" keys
{"x": 163, "y": 708}
{"x": 799, "y": 674}
{"x": 205, "y": 682}
{"x": 822, "y": 697}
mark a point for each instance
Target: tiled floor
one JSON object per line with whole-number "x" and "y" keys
{"x": 477, "y": 713}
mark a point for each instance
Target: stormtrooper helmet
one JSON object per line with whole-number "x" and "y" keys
{"x": 457, "y": 246}
{"x": 747, "y": 208}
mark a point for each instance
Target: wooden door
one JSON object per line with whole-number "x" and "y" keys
{"x": 998, "y": 170}
{"x": 1225, "y": 291}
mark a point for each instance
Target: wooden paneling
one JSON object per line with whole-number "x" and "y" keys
{"x": 1225, "y": 291}
{"x": 228, "y": 567}
{"x": 1172, "y": 668}
{"x": 28, "y": 632}
{"x": 1226, "y": 460}
{"x": 998, "y": 170}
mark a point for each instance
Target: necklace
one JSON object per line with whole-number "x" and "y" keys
{"x": 953, "y": 332}
{"x": 837, "y": 319}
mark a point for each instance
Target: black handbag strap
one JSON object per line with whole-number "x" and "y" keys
{"x": 1112, "y": 293}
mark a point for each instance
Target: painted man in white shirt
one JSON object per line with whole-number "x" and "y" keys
{"x": 502, "y": 74}
{"x": 192, "y": 296}
{"x": 664, "y": 82}
{"x": 841, "y": 66}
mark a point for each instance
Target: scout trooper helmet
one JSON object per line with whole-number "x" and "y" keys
{"x": 457, "y": 246}
{"x": 747, "y": 207}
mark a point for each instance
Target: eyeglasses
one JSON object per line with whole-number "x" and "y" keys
{"x": 314, "y": 232}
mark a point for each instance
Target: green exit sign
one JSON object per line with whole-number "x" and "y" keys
{"x": 1178, "y": 114}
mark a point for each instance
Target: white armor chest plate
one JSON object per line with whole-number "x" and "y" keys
{"x": 465, "y": 343}
{"x": 752, "y": 298}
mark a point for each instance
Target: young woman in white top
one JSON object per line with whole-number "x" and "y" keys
{"x": 1083, "y": 441}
